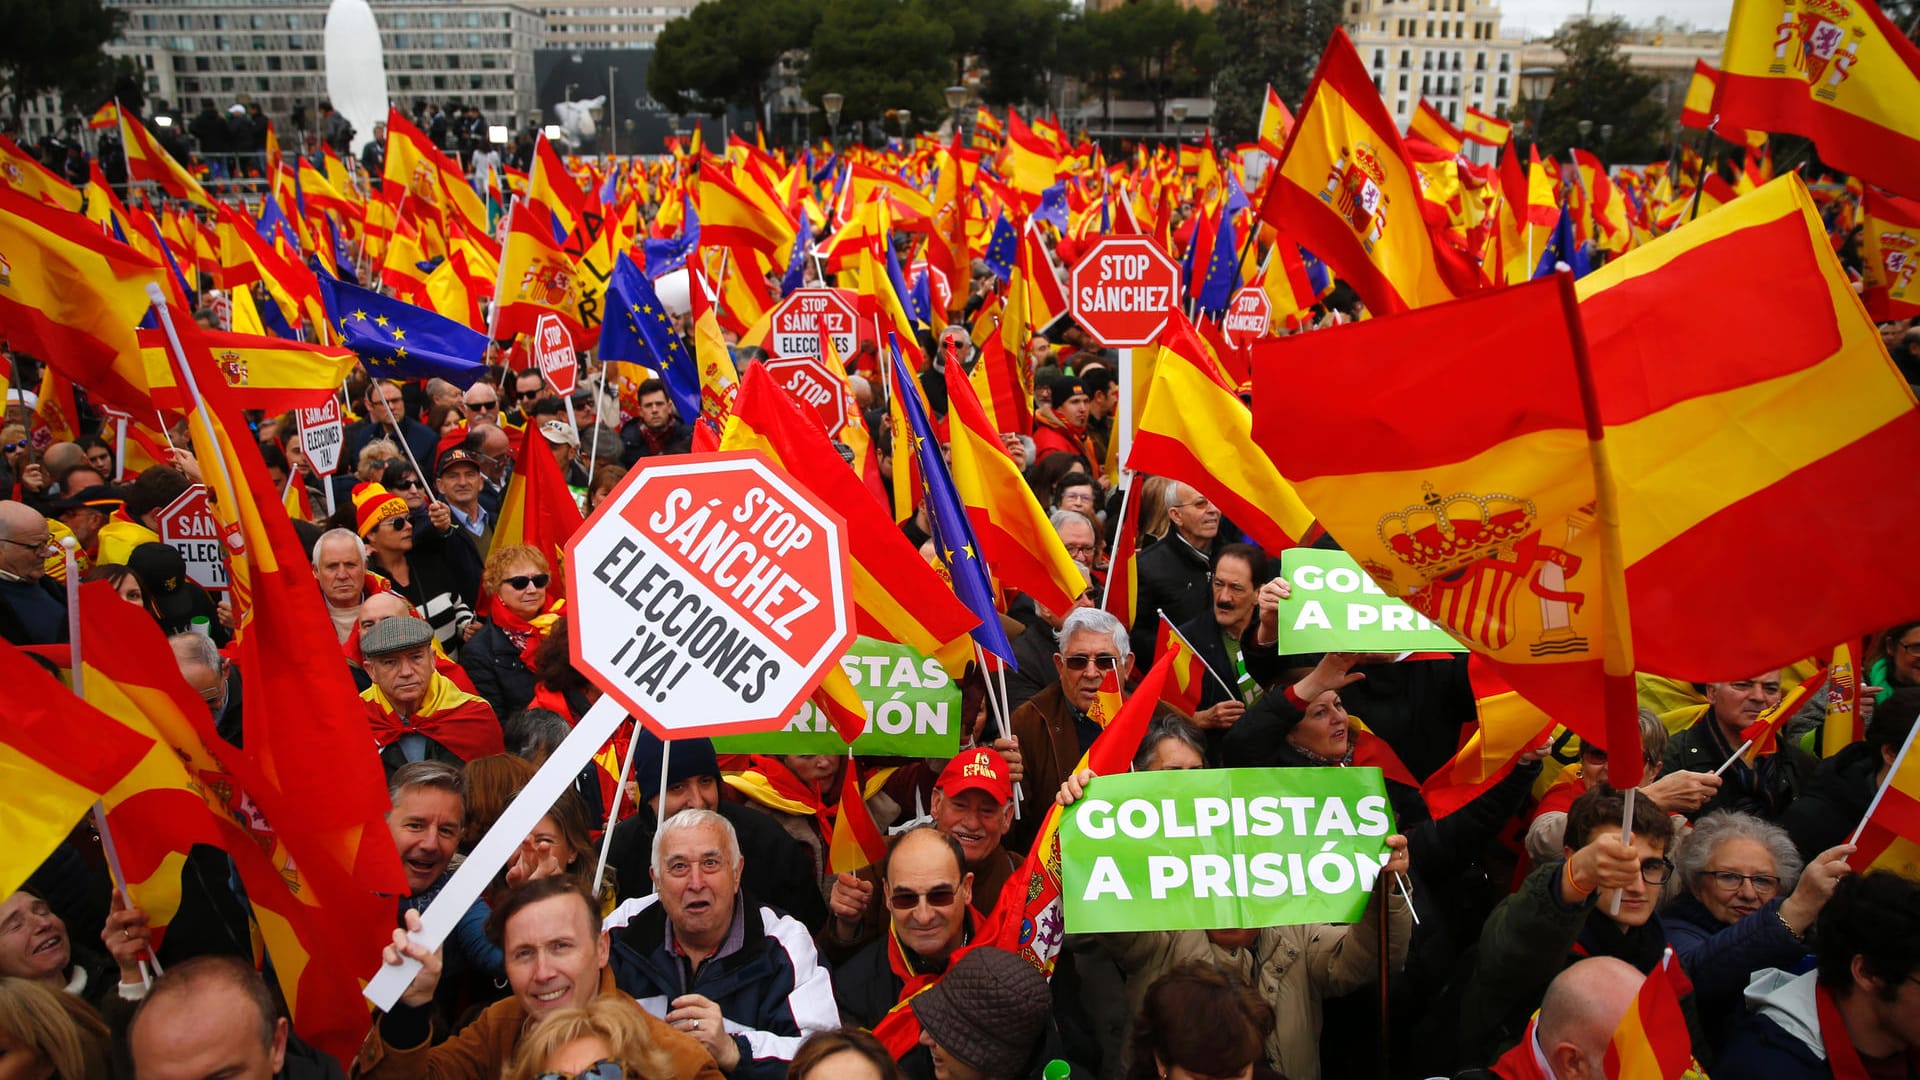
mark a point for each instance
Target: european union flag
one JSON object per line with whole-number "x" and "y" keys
{"x": 666, "y": 256}
{"x": 953, "y": 537}
{"x": 610, "y": 191}
{"x": 796, "y": 274}
{"x": 920, "y": 299}
{"x": 1563, "y": 251}
{"x": 1318, "y": 279}
{"x": 342, "y": 254}
{"x": 1053, "y": 205}
{"x": 1002, "y": 249}
{"x": 1222, "y": 271}
{"x": 826, "y": 170}
{"x": 1236, "y": 195}
{"x": 638, "y": 330}
{"x": 397, "y": 340}
{"x": 898, "y": 279}
{"x": 274, "y": 220}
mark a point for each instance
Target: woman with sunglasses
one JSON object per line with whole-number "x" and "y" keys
{"x": 602, "y": 1040}
{"x": 1743, "y": 904}
{"x": 420, "y": 563}
{"x": 499, "y": 656}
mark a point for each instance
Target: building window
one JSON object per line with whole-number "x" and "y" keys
{"x": 1479, "y": 84}
{"x": 1404, "y": 62}
{"x": 1480, "y": 61}
{"x": 1500, "y": 90}
{"x": 1379, "y": 58}
{"x": 1429, "y": 27}
{"x": 1379, "y": 85}
{"x": 1426, "y": 85}
{"x": 1506, "y": 63}
{"x": 1403, "y": 83}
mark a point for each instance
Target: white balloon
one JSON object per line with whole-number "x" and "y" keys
{"x": 674, "y": 290}
{"x": 356, "y": 70}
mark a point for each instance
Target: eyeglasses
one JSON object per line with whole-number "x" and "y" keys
{"x": 397, "y": 524}
{"x": 521, "y": 581}
{"x": 1656, "y": 871}
{"x": 484, "y": 406}
{"x": 1079, "y": 550}
{"x": 1763, "y": 884}
{"x": 411, "y": 483}
{"x": 31, "y": 545}
{"x": 604, "y": 1069}
{"x": 906, "y": 900}
{"x": 1911, "y": 648}
{"x": 12, "y": 447}
{"x": 1078, "y": 662}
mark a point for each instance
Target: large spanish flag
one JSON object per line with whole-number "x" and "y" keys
{"x": 71, "y": 295}
{"x": 1837, "y": 71}
{"x": 536, "y": 278}
{"x": 1508, "y": 726}
{"x": 1192, "y": 428}
{"x": 1346, "y": 189}
{"x": 147, "y": 160}
{"x": 1471, "y": 483}
{"x": 1890, "y": 248}
{"x": 1018, "y": 541}
{"x": 417, "y": 168}
{"x": 23, "y": 172}
{"x": 267, "y": 373}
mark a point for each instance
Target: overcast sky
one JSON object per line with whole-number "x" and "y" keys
{"x": 1540, "y": 17}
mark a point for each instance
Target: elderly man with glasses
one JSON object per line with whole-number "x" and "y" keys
{"x": 1054, "y": 728}
{"x": 33, "y": 609}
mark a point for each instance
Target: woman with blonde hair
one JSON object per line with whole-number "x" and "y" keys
{"x": 53, "y": 1036}
{"x": 604, "y": 1040}
{"x": 498, "y": 657}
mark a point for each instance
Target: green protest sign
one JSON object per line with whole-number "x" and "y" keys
{"x": 1336, "y": 607}
{"x": 1213, "y": 848}
{"x": 913, "y": 710}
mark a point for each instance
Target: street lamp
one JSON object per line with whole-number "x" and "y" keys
{"x": 833, "y": 103}
{"x": 1537, "y": 84}
{"x": 1584, "y": 127}
{"x": 906, "y": 118}
{"x": 956, "y": 100}
{"x": 1177, "y": 110}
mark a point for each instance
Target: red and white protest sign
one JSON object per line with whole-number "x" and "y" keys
{"x": 813, "y": 385}
{"x": 322, "y": 437}
{"x": 553, "y": 352}
{"x": 1247, "y": 316}
{"x": 1123, "y": 291}
{"x": 710, "y": 593}
{"x": 797, "y": 321}
{"x": 188, "y": 526}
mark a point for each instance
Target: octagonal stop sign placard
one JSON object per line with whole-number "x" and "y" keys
{"x": 809, "y": 382}
{"x": 710, "y": 593}
{"x": 1123, "y": 291}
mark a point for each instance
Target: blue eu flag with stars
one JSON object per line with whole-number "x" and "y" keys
{"x": 638, "y": 330}
{"x": 953, "y": 537}
{"x": 1222, "y": 272}
{"x": 397, "y": 340}
{"x": 1002, "y": 249}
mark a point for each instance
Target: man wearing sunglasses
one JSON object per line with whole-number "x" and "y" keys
{"x": 1565, "y": 910}
{"x": 556, "y": 958}
{"x": 927, "y": 891}
{"x": 741, "y": 978}
{"x": 1054, "y": 729}
{"x": 33, "y": 609}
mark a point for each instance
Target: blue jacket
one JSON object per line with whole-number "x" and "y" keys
{"x": 1780, "y": 1038}
{"x": 1721, "y": 958}
{"x": 771, "y": 990}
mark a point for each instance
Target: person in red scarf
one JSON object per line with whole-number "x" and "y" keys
{"x": 1062, "y": 425}
{"x": 499, "y": 656}
{"x": 1856, "y": 1016}
{"x": 391, "y": 605}
{"x": 416, "y": 713}
{"x": 1569, "y": 1035}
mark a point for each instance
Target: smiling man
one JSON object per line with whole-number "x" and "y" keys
{"x": 556, "y": 957}
{"x": 740, "y": 978}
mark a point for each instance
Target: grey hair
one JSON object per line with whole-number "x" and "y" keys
{"x": 1723, "y": 825}
{"x": 1653, "y": 736}
{"x": 694, "y": 819}
{"x": 426, "y": 774}
{"x": 1061, "y": 517}
{"x": 1159, "y": 730}
{"x": 1093, "y": 620}
{"x": 534, "y": 733}
{"x": 332, "y": 534}
{"x": 198, "y": 648}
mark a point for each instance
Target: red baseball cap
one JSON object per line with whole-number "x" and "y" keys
{"x": 981, "y": 769}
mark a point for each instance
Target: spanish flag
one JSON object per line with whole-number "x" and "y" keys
{"x": 1185, "y": 680}
{"x": 1697, "y": 110}
{"x": 537, "y": 509}
{"x": 536, "y": 278}
{"x": 146, "y": 160}
{"x": 23, "y": 172}
{"x": 1276, "y": 123}
{"x": 897, "y": 596}
{"x": 1889, "y": 834}
{"x": 417, "y": 168}
{"x": 1003, "y": 386}
{"x": 1428, "y": 124}
{"x": 911, "y": 209}
{"x": 57, "y": 758}
{"x": 985, "y": 123}
{"x": 1020, "y": 544}
{"x": 71, "y": 295}
{"x": 1346, "y": 188}
{"x": 856, "y": 841}
{"x": 729, "y": 217}
{"x": 1841, "y": 726}
{"x": 106, "y": 116}
{"x": 1122, "y": 592}
{"x": 1890, "y": 250}
{"x": 1193, "y": 428}
{"x": 1028, "y": 162}
{"x": 1652, "y": 1042}
{"x": 1841, "y": 74}
{"x": 1485, "y": 130}
{"x": 551, "y": 188}
{"x": 267, "y": 373}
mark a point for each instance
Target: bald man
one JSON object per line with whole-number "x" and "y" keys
{"x": 33, "y": 609}
{"x": 209, "y": 1016}
{"x": 1568, "y": 1039}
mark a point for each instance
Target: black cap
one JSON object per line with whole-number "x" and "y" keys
{"x": 99, "y": 496}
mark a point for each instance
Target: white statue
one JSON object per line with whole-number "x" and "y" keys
{"x": 576, "y": 120}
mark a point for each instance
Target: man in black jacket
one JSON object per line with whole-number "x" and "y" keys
{"x": 700, "y": 954}
{"x": 33, "y": 610}
{"x": 1172, "y": 573}
{"x": 656, "y": 430}
{"x": 1836, "y": 797}
{"x": 778, "y": 868}
{"x": 1763, "y": 789}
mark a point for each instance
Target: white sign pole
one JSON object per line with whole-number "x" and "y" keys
{"x": 1123, "y": 420}
{"x": 495, "y": 848}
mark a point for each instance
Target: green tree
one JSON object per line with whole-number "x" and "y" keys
{"x": 724, "y": 51}
{"x": 882, "y": 55}
{"x": 1018, "y": 43}
{"x": 1274, "y": 41}
{"x": 59, "y": 46}
{"x": 1595, "y": 84}
{"x": 1152, "y": 50}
